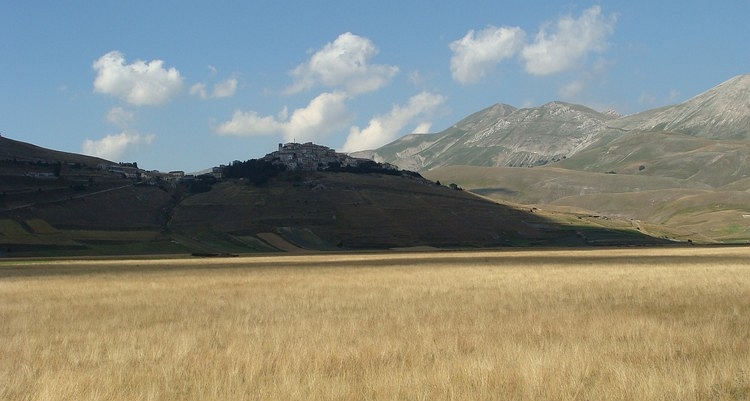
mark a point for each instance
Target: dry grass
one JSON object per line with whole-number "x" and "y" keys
{"x": 550, "y": 325}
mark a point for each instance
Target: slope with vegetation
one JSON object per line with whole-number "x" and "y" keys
{"x": 685, "y": 166}
{"x": 261, "y": 208}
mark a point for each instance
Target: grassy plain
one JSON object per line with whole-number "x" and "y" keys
{"x": 615, "y": 324}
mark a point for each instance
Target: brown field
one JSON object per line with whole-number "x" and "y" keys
{"x": 623, "y": 324}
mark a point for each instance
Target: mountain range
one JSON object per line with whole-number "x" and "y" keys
{"x": 684, "y": 166}
{"x": 504, "y": 136}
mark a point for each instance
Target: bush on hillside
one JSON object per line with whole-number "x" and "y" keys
{"x": 256, "y": 171}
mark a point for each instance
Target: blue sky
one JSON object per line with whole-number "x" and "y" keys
{"x": 188, "y": 85}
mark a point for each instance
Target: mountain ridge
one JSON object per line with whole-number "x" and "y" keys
{"x": 500, "y": 135}
{"x": 558, "y": 130}
{"x": 711, "y": 114}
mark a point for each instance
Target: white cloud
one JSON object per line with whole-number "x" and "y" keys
{"x": 225, "y": 88}
{"x": 112, "y": 147}
{"x": 120, "y": 117}
{"x": 324, "y": 114}
{"x": 343, "y": 64}
{"x": 139, "y": 83}
{"x": 569, "y": 41}
{"x": 422, "y": 128}
{"x": 199, "y": 90}
{"x": 557, "y": 47}
{"x": 250, "y": 123}
{"x": 384, "y": 129}
{"x": 476, "y": 54}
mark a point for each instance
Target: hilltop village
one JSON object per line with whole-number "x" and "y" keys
{"x": 297, "y": 157}
{"x": 311, "y": 157}
{"x": 289, "y": 157}
{"x": 303, "y": 157}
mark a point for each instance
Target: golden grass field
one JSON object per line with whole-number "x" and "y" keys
{"x": 622, "y": 324}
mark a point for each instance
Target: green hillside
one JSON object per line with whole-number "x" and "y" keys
{"x": 677, "y": 208}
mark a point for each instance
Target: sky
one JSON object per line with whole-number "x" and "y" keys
{"x": 187, "y": 85}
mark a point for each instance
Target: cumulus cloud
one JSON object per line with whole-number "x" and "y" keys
{"x": 422, "y": 128}
{"x": 139, "y": 83}
{"x": 225, "y": 88}
{"x": 477, "y": 53}
{"x": 557, "y": 47}
{"x": 384, "y": 129}
{"x": 199, "y": 90}
{"x": 343, "y": 64}
{"x": 112, "y": 147}
{"x": 568, "y": 41}
{"x": 324, "y": 114}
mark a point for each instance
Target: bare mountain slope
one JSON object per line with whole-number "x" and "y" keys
{"x": 500, "y": 136}
{"x": 706, "y": 139}
{"x": 681, "y": 139}
{"x": 722, "y": 112}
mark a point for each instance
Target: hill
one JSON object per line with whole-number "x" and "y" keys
{"x": 684, "y": 166}
{"x": 22, "y": 152}
{"x": 705, "y": 139}
{"x": 87, "y": 210}
{"x": 373, "y": 211}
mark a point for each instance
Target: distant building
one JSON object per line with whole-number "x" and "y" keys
{"x": 125, "y": 171}
{"x": 218, "y": 172}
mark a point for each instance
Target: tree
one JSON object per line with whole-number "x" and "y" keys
{"x": 256, "y": 171}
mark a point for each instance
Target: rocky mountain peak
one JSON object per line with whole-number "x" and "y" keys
{"x": 722, "y": 112}
{"x": 485, "y": 117}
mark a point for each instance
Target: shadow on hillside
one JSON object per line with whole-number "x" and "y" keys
{"x": 324, "y": 211}
{"x": 312, "y": 211}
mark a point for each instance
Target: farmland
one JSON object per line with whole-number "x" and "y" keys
{"x": 616, "y": 324}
